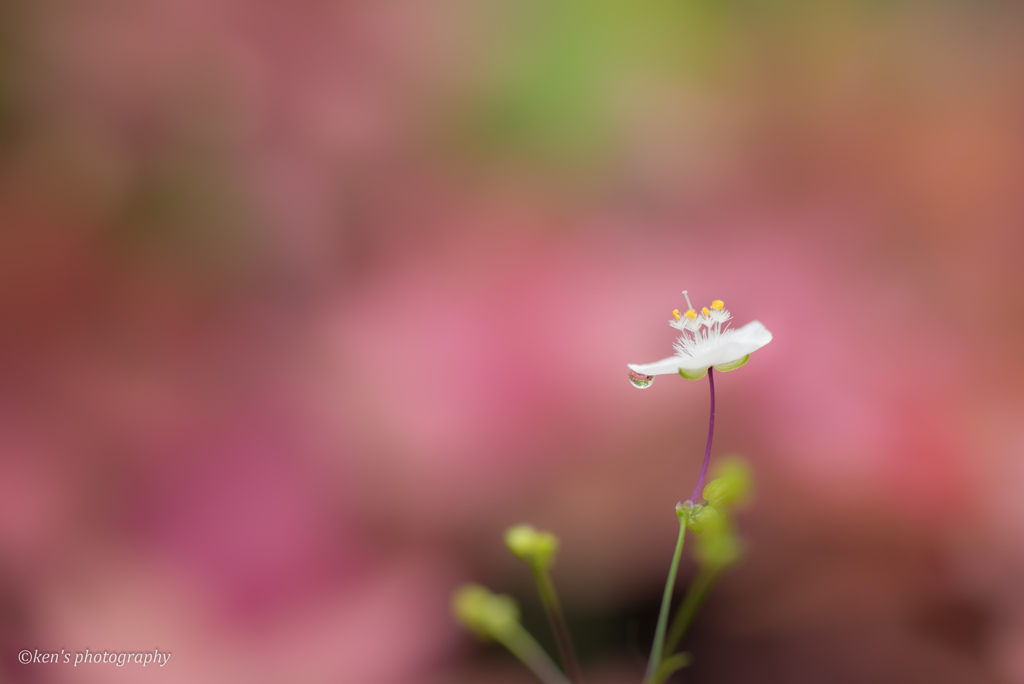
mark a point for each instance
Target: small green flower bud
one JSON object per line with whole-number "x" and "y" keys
{"x": 547, "y": 546}
{"x": 483, "y": 612}
{"x": 468, "y": 607}
{"x": 520, "y": 540}
{"x": 733, "y": 484}
{"x": 706, "y": 519}
{"x": 530, "y": 545}
{"x": 718, "y": 548}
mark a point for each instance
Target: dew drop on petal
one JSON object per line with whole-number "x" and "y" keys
{"x": 640, "y": 380}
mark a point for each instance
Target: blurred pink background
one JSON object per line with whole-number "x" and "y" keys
{"x": 304, "y": 303}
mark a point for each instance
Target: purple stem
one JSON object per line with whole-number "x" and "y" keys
{"x": 711, "y": 433}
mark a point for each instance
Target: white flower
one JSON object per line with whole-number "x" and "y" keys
{"x": 706, "y": 342}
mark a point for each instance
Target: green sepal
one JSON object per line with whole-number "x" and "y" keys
{"x": 693, "y": 374}
{"x": 732, "y": 365}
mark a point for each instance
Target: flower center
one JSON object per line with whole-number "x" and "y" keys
{"x": 701, "y": 333}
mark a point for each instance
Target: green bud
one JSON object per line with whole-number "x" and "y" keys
{"x": 483, "y": 612}
{"x": 718, "y": 548}
{"x": 525, "y": 542}
{"x": 520, "y": 540}
{"x": 706, "y": 519}
{"x": 547, "y": 546}
{"x": 733, "y": 484}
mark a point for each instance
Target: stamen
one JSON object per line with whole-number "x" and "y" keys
{"x": 690, "y": 314}
{"x": 675, "y": 312}
{"x": 718, "y": 305}
{"x": 705, "y": 311}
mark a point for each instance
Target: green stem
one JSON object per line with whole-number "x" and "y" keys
{"x": 670, "y": 665}
{"x": 695, "y": 596}
{"x": 553, "y": 608}
{"x": 517, "y": 640}
{"x": 659, "y": 634}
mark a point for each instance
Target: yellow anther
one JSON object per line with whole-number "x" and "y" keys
{"x": 705, "y": 311}
{"x": 675, "y": 312}
{"x": 690, "y": 313}
{"x": 718, "y": 305}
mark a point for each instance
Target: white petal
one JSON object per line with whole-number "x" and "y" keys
{"x": 753, "y": 333}
{"x": 669, "y": 365}
{"x": 743, "y": 341}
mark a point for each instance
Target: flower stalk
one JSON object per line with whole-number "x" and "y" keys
{"x": 654, "y": 664}
{"x": 523, "y": 646}
{"x": 669, "y": 666}
{"x": 694, "y": 599}
{"x": 711, "y": 435}
{"x": 553, "y": 608}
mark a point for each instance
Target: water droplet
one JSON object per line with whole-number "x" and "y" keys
{"x": 640, "y": 380}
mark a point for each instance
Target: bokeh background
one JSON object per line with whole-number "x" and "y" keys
{"x": 303, "y": 303}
